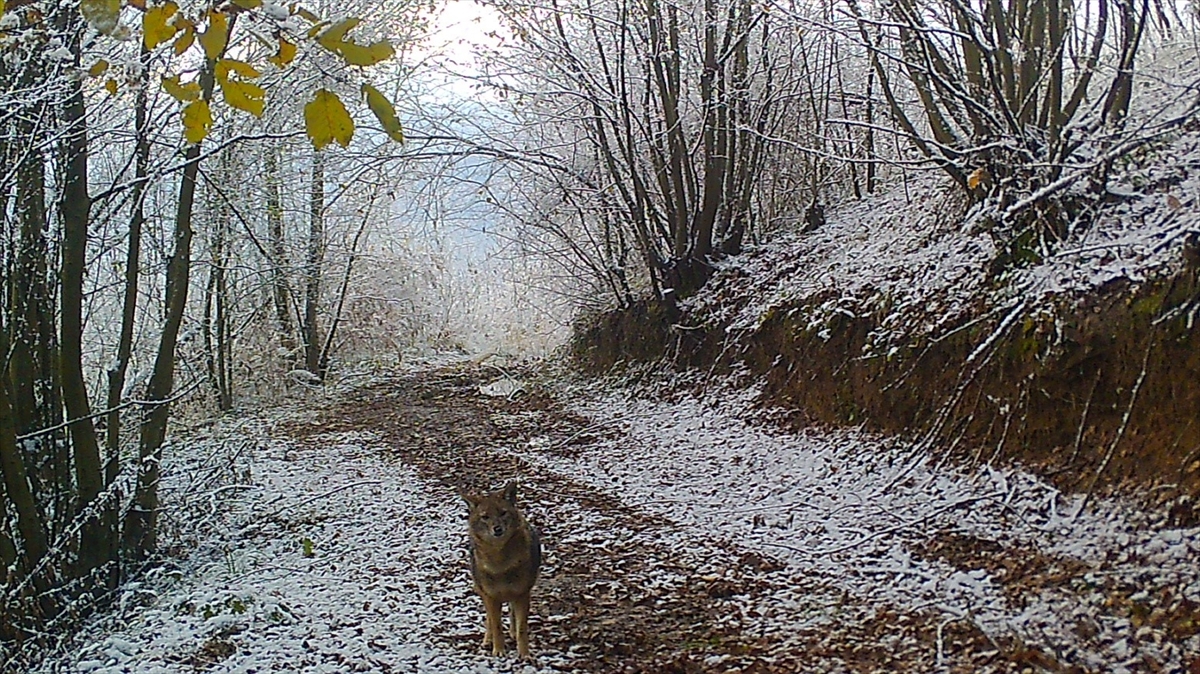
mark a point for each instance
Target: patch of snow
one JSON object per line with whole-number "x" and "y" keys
{"x": 384, "y": 586}
{"x": 854, "y": 510}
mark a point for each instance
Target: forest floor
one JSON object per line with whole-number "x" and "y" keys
{"x": 685, "y": 534}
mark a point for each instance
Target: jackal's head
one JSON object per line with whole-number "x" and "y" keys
{"x": 493, "y": 517}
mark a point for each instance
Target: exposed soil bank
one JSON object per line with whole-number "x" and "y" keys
{"x": 1097, "y": 390}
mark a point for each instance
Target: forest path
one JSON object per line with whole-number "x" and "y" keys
{"x": 622, "y": 589}
{"x": 681, "y": 533}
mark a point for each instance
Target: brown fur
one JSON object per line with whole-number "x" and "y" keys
{"x": 505, "y": 556}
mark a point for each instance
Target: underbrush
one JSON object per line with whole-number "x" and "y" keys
{"x": 894, "y": 317}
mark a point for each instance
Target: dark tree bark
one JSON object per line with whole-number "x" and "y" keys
{"x": 714, "y": 141}
{"x": 141, "y": 525}
{"x": 32, "y": 378}
{"x": 97, "y": 534}
{"x": 216, "y": 300}
{"x": 281, "y": 294}
{"x": 312, "y": 267}
{"x": 120, "y": 368}
{"x": 34, "y": 538}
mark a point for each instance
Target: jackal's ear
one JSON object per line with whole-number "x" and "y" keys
{"x": 471, "y": 499}
{"x": 510, "y": 492}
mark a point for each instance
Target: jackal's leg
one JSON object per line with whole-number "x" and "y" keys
{"x": 520, "y": 625}
{"x": 494, "y": 635}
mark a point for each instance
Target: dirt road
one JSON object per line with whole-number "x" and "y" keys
{"x": 634, "y": 588}
{"x": 681, "y": 534}
{"x": 624, "y": 590}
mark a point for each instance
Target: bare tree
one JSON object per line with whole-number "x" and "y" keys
{"x": 281, "y": 294}
{"x": 1009, "y": 93}
{"x": 654, "y": 126}
{"x": 141, "y": 531}
{"x": 314, "y": 255}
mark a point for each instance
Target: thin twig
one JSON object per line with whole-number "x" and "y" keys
{"x": 128, "y": 403}
{"x": 331, "y": 492}
{"x": 1112, "y": 448}
{"x": 212, "y": 496}
{"x": 1083, "y": 420}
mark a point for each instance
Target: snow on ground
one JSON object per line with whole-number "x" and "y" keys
{"x": 901, "y": 247}
{"x": 858, "y": 509}
{"x": 332, "y": 560}
{"x": 905, "y": 254}
{"x": 333, "y": 555}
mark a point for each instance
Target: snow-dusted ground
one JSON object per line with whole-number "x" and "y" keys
{"x": 332, "y": 555}
{"x": 857, "y": 510}
{"x": 332, "y": 559}
{"x": 913, "y": 256}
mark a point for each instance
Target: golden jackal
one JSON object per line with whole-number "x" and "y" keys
{"x": 505, "y": 556}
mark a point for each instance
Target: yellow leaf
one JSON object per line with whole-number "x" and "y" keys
{"x": 977, "y": 176}
{"x": 103, "y": 15}
{"x": 111, "y": 85}
{"x": 316, "y": 28}
{"x": 239, "y": 94}
{"x": 358, "y": 55}
{"x": 305, "y": 14}
{"x": 326, "y": 120}
{"x": 156, "y": 24}
{"x": 185, "y": 40}
{"x": 335, "y": 35}
{"x": 98, "y": 68}
{"x": 227, "y": 67}
{"x": 334, "y": 39}
{"x": 285, "y": 55}
{"x": 244, "y": 96}
{"x": 248, "y": 4}
{"x": 2, "y": 7}
{"x": 216, "y": 36}
{"x": 187, "y": 91}
{"x": 197, "y": 120}
{"x": 385, "y": 112}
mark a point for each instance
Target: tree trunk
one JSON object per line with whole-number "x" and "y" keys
{"x": 666, "y": 78}
{"x": 32, "y": 379}
{"x": 219, "y": 291}
{"x": 281, "y": 294}
{"x": 869, "y": 134}
{"x": 141, "y": 525}
{"x": 327, "y": 349}
{"x": 17, "y": 491}
{"x": 312, "y": 268}
{"x": 715, "y": 147}
{"x": 97, "y": 534}
{"x": 120, "y": 368}
{"x": 140, "y": 529}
